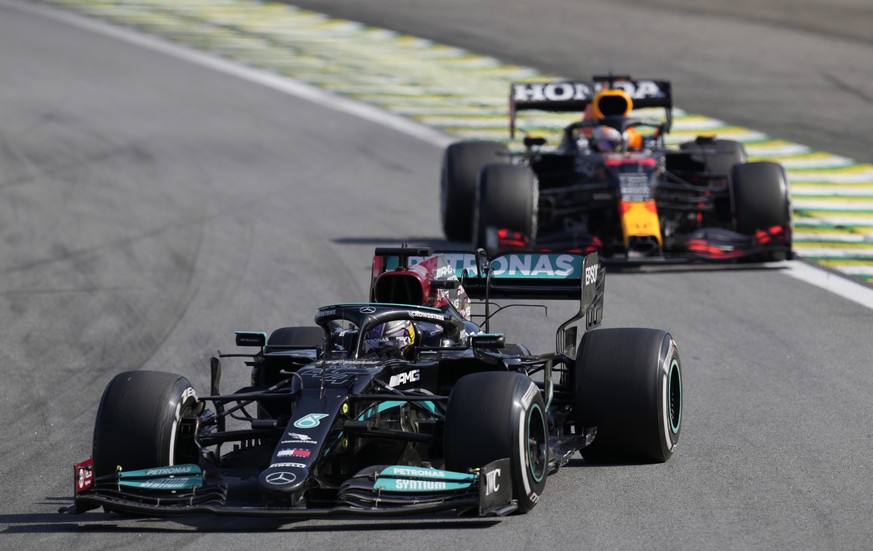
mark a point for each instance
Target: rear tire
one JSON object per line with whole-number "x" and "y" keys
{"x": 494, "y": 415}
{"x": 138, "y": 422}
{"x": 628, "y": 383}
{"x": 460, "y": 172}
{"x": 507, "y": 197}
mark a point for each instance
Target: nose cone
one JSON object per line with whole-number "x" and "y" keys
{"x": 282, "y": 481}
{"x": 639, "y": 221}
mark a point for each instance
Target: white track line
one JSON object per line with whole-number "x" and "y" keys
{"x": 824, "y": 279}
{"x": 833, "y": 282}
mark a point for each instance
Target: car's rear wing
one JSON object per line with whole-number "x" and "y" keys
{"x": 572, "y": 96}
{"x": 514, "y": 275}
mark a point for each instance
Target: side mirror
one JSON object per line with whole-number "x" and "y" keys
{"x": 251, "y": 338}
{"x": 488, "y": 341}
{"x": 532, "y": 141}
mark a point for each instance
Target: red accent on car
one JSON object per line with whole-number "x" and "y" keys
{"x": 509, "y": 239}
{"x": 83, "y": 476}
{"x": 594, "y": 246}
{"x": 648, "y": 161}
{"x": 771, "y": 234}
{"x": 704, "y": 248}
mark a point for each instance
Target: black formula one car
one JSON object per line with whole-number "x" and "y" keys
{"x": 612, "y": 186}
{"x": 396, "y": 406}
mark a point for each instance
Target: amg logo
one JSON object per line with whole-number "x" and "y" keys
{"x": 492, "y": 482}
{"x": 591, "y": 274}
{"x": 403, "y": 378}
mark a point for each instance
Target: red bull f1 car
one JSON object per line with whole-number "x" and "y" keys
{"x": 399, "y": 405}
{"x": 612, "y": 186}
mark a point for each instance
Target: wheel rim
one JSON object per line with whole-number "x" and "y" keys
{"x": 536, "y": 443}
{"x": 674, "y": 393}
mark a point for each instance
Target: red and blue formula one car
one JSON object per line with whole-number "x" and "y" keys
{"x": 612, "y": 186}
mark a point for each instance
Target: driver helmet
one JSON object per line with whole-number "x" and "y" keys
{"x": 393, "y": 338}
{"x": 606, "y": 139}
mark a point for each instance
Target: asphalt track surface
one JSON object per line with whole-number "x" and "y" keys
{"x": 150, "y": 207}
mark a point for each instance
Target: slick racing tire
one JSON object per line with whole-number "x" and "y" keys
{"x": 139, "y": 422}
{"x": 760, "y": 198}
{"x": 628, "y": 383}
{"x": 506, "y": 197}
{"x": 494, "y": 415}
{"x": 461, "y": 164}
{"x": 718, "y": 156}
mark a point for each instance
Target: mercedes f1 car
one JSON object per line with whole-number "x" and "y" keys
{"x": 400, "y": 405}
{"x": 612, "y": 186}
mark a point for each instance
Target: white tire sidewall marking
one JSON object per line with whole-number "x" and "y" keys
{"x": 526, "y": 401}
{"x": 186, "y": 394}
{"x": 666, "y": 361}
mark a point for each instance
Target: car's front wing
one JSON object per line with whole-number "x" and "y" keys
{"x": 378, "y": 491}
{"x": 704, "y": 245}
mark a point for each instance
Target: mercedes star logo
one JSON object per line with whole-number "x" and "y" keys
{"x": 281, "y": 477}
{"x": 368, "y": 309}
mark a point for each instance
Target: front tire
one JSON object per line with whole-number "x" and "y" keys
{"x": 628, "y": 383}
{"x": 760, "y": 199}
{"x": 462, "y": 162}
{"x": 138, "y": 422}
{"x": 507, "y": 197}
{"x": 494, "y": 415}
